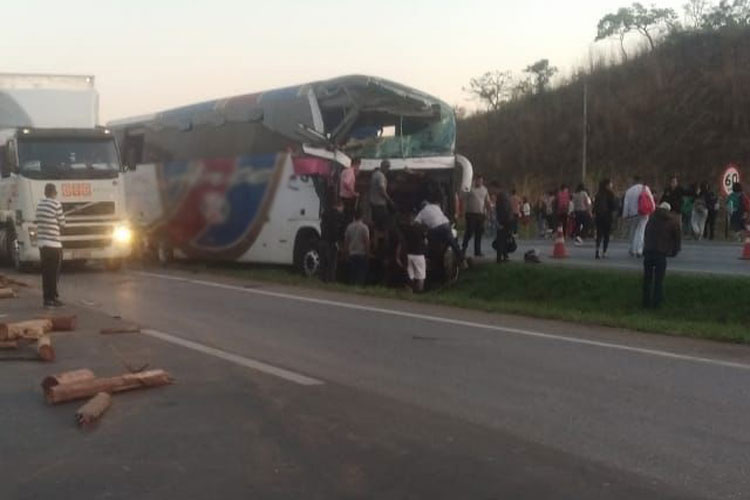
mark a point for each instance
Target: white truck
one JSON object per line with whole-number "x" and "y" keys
{"x": 49, "y": 134}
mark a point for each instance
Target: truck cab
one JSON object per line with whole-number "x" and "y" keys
{"x": 84, "y": 165}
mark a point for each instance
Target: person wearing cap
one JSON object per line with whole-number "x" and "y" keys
{"x": 379, "y": 199}
{"x": 662, "y": 240}
{"x": 49, "y": 220}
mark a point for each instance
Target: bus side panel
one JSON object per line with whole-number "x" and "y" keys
{"x": 296, "y": 205}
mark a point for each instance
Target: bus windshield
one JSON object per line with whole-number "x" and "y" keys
{"x": 403, "y": 137}
{"x": 68, "y": 158}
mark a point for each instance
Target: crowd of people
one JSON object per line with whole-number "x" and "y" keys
{"x": 394, "y": 248}
{"x": 404, "y": 241}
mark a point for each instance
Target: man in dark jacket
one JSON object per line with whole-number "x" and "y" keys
{"x": 332, "y": 227}
{"x": 663, "y": 239}
{"x": 673, "y": 195}
{"x": 504, "y": 217}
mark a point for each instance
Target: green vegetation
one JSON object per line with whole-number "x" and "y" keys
{"x": 675, "y": 103}
{"x": 709, "y": 307}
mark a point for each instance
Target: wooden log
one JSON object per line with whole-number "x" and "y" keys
{"x": 67, "y": 378}
{"x": 121, "y": 329}
{"x": 87, "y": 388}
{"x": 93, "y": 409}
{"x": 32, "y": 329}
{"x": 63, "y": 323}
{"x": 7, "y": 293}
{"x": 44, "y": 348}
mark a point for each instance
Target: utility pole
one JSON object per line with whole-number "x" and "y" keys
{"x": 585, "y": 129}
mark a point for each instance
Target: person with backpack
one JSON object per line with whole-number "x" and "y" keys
{"x": 637, "y": 207}
{"x": 605, "y": 207}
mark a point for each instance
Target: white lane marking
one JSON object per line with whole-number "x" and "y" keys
{"x": 234, "y": 358}
{"x": 458, "y": 322}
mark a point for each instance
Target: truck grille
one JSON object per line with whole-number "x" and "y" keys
{"x": 82, "y": 244}
{"x": 94, "y": 209}
{"x": 85, "y": 230}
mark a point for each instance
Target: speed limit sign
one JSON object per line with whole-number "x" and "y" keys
{"x": 730, "y": 177}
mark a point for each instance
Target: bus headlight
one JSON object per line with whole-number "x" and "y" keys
{"x": 122, "y": 235}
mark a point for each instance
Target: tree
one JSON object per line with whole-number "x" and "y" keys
{"x": 648, "y": 21}
{"x": 695, "y": 10}
{"x": 728, "y": 15}
{"x": 492, "y": 88}
{"x": 617, "y": 24}
{"x": 541, "y": 73}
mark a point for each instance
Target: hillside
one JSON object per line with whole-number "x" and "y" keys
{"x": 683, "y": 108}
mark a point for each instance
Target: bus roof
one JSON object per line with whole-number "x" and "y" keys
{"x": 285, "y": 108}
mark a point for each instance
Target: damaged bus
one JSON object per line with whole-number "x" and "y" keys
{"x": 246, "y": 178}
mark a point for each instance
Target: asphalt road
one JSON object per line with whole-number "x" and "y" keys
{"x": 701, "y": 257}
{"x": 442, "y": 403}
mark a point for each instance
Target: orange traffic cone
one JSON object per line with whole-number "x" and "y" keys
{"x": 746, "y": 248}
{"x": 559, "y": 251}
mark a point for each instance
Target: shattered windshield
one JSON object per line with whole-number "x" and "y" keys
{"x": 404, "y": 138}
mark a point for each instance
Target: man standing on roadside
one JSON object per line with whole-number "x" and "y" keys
{"x": 49, "y": 220}
{"x": 504, "y": 217}
{"x": 379, "y": 199}
{"x": 477, "y": 205}
{"x": 663, "y": 239}
{"x": 348, "y": 189}
{"x": 357, "y": 249}
{"x": 673, "y": 195}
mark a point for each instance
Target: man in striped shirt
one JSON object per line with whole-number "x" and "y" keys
{"x": 49, "y": 220}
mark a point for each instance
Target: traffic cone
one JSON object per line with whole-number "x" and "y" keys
{"x": 559, "y": 251}
{"x": 746, "y": 248}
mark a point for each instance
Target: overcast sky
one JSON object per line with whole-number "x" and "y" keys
{"x": 149, "y": 55}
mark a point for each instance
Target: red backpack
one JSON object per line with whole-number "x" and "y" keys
{"x": 645, "y": 202}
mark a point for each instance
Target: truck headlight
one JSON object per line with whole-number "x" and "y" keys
{"x": 122, "y": 234}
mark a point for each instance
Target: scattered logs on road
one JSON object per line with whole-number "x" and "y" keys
{"x": 32, "y": 329}
{"x": 93, "y": 409}
{"x": 63, "y": 323}
{"x": 81, "y": 389}
{"x": 7, "y": 293}
{"x": 67, "y": 378}
{"x": 44, "y": 349}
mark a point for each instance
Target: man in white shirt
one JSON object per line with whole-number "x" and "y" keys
{"x": 634, "y": 220}
{"x": 438, "y": 226}
{"x": 477, "y": 205}
{"x": 49, "y": 221}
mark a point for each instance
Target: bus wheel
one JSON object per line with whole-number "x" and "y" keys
{"x": 307, "y": 254}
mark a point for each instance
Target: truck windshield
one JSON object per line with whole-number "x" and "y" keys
{"x": 68, "y": 158}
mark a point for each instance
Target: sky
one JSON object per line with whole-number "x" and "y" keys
{"x": 149, "y": 55}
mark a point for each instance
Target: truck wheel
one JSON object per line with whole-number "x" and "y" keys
{"x": 14, "y": 251}
{"x": 113, "y": 265}
{"x": 307, "y": 254}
